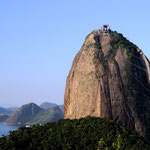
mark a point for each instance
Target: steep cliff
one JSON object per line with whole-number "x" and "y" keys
{"x": 110, "y": 78}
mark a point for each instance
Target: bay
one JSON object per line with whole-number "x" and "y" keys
{"x": 4, "y": 129}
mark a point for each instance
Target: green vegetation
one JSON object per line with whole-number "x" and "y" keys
{"x": 97, "y": 77}
{"x": 97, "y": 42}
{"x": 88, "y": 133}
{"x": 91, "y": 45}
{"x": 33, "y": 114}
{"x": 104, "y": 62}
{"x": 24, "y": 114}
{"x": 93, "y": 32}
{"x": 96, "y": 45}
{"x": 52, "y": 114}
{"x": 120, "y": 41}
{"x": 47, "y": 105}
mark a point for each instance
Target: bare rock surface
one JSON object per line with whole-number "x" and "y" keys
{"x": 110, "y": 78}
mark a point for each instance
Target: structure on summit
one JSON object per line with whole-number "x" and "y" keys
{"x": 106, "y": 80}
{"x": 105, "y": 28}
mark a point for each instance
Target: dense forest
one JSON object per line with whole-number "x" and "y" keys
{"x": 88, "y": 133}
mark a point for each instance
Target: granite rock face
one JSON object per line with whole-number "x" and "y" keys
{"x": 110, "y": 78}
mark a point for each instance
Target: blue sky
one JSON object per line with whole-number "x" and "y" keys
{"x": 40, "y": 38}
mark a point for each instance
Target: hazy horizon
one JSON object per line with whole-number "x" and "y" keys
{"x": 13, "y": 105}
{"x": 39, "y": 40}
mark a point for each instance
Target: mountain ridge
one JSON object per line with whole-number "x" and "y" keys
{"x": 32, "y": 114}
{"x": 52, "y": 114}
{"x": 46, "y": 105}
{"x": 5, "y": 111}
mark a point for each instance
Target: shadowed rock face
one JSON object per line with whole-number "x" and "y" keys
{"x": 110, "y": 78}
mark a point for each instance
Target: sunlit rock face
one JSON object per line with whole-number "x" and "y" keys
{"x": 110, "y": 78}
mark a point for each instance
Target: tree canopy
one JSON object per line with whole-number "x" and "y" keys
{"x": 88, "y": 133}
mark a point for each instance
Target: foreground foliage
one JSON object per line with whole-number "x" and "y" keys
{"x": 89, "y": 133}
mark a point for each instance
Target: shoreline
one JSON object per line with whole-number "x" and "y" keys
{"x": 13, "y": 124}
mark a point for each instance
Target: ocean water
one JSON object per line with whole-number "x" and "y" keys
{"x": 4, "y": 129}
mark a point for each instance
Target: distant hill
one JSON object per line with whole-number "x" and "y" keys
{"x": 3, "y": 118}
{"x": 61, "y": 107}
{"x": 12, "y": 109}
{"x": 24, "y": 114}
{"x": 33, "y": 114}
{"x": 4, "y": 111}
{"x": 48, "y": 115}
{"x": 47, "y": 105}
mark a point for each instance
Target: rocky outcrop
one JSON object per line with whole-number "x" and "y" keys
{"x": 110, "y": 78}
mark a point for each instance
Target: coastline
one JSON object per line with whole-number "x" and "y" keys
{"x": 5, "y": 129}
